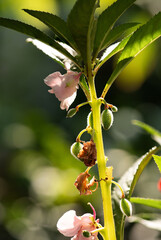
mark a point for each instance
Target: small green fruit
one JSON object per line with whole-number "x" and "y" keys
{"x": 90, "y": 120}
{"x": 107, "y": 119}
{"x": 86, "y": 234}
{"x": 126, "y": 207}
{"x": 75, "y": 149}
{"x": 114, "y": 109}
{"x": 71, "y": 112}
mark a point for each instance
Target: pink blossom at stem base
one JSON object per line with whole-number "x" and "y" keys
{"x": 72, "y": 225}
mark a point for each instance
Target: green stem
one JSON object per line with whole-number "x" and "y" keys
{"x": 109, "y": 227}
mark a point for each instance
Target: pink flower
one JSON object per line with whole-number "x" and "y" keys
{"x": 72, "y": 225}
{"x": 159, "y": 185}
{"x": 64, "y": 87}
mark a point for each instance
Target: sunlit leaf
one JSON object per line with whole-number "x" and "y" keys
{"x": 35, "y": 33}
{"x": 118, "y": 69}
{"x": 111, "y": 51}
{"x": 80, "y": 22}
{"x": 157, "y": 160}
{"x": 141, "y": 38}
{"x": 128, "y": 182}
{"x": 55, "y": 23}
{"x": 108, "y": 51}
{"x": 152, "y": 221}
{"x": 106, "y": 21}
{"x": 53, "y": 53}
{"x": 144, "y": 36}
{"x": 130, "y": 178}
{"x": 155, "y": 203}
{"x": 155, "y": 133}
{"x": 119, "y": 32}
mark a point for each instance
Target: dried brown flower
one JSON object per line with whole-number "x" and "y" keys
{"x": 88, "y": 153}
{"x": 83, "y": 185}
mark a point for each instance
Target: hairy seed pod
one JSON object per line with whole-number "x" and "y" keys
{"x": 90, "y": 120}
{"x": 86, "y": 234}
{"x": 107, "y": 119}
{"x": 71, "y": 112}
{"x": 126, "y": 207}
{"x": 75, "y": 149}
{"x": 114, "y": 109}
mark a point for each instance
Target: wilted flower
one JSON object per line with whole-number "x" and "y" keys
{"x": 88, "y": 153}
{"x": 64, "y": 87}
{"x": 71, "y": 225}
{"x": 83, "y": 185}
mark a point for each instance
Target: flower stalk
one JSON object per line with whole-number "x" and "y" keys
{"x": 109, "y": 227}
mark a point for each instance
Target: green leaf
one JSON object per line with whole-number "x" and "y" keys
{"x": 35, "y": 33}
{"x": 155, "y": 203}
{"x": 81, "y": 23}
{"x": 143, "y": 36}
{"x": 111, "y": 51}
{"x": 118, "y": 32}
{"x": 118, "y": 69}
{"x": 55, "y": 23}
{"x": 84, "y": 86}
{"x": 106, "y": 21}
{"x": 128, "y": 182}
{"x": 155, "y": 134}
{"x": 130, "y": 178}
{"x": 152, "y": 221}
{"x": 51, "y": 52}
{"x": 157, "y": 160}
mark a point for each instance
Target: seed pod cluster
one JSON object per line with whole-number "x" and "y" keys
{"x": 107, "y": 118}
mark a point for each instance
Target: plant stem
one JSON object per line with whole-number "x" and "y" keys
{"x": 109, "y": 227}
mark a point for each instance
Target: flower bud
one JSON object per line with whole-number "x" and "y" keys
{"x": 90, "y": 120}
{"x": 126, "y": 207}
{"x": 75, "y": 149}
{"x": 114, "y": 109}
{"x": 107, "y": 119}
{"x": 86, "y": 234}
{"x": 71, "y": 112}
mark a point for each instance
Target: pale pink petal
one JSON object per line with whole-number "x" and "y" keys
{"x": 69, "y": 85}
{"x": 65, "y": 104}
{"x": 69, "y": 224}
{"x": 75, "y": 237}
{"x": 64, "y": 86}
{"x": 54, "y": 79}
{"x": 51, "y": 91}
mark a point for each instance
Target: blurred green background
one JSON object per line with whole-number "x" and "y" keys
{"x": 37, "y": 172}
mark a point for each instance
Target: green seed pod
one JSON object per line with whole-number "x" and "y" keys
{"x": 107, "y": 119}
{"x": 90, "y": 120}
{"x": 71, "y": 112}
{"x": 75, "y": 149}
{"x": 86, "y": 234}
{"x": 114, "y": 109}
{"x": 126, "y": 207}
